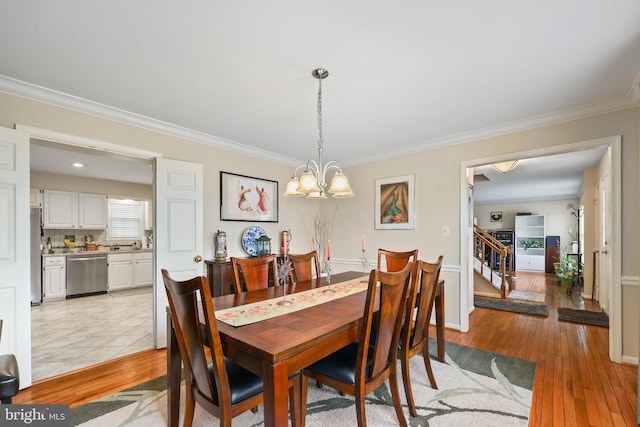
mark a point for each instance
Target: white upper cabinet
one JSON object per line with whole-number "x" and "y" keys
{"x": 92, "y": 211}
{"x": 60, "y": 209}
{"x": 67, "y": 210}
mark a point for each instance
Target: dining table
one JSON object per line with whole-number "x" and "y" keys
{"x": 278, "y": 347}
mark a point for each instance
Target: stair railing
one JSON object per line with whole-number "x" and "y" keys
{"x": 485, "y": 244}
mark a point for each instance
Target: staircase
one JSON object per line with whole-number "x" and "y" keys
{"x": 491, "y": 279}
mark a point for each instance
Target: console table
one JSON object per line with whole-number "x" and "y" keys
{"x": 220, "y": 276}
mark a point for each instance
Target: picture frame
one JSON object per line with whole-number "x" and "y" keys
{"x": 247, "y": 198}
{"x": 495, "y": 216}
{"x": 395, "y": 203}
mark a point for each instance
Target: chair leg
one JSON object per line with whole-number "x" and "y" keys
{"x": 360, "y": 409}
{"x": 190, "y": 406}
{"x": 395, "y": 396}
{"x": 427, "y": 364}
{"x": 6, "y": 401}
{"x": 406, "y": 380}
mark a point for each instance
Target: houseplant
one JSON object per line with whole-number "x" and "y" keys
{"x": 565, "y": 269}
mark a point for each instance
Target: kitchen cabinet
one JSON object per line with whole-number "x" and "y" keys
{"x": 54, "y": 278}
{"x": 148, "y": 215}
{"x": 120, "y": 271}
{"x": 92, "y": 211}
{"x": 142, "y": 269}
{"x": 68, "y": 210}
{"x": 60, "y": 209}
{"x": 35, "y": 198}
{"x": 130, "y": 270}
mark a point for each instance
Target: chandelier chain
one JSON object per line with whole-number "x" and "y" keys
{"x": 320, "y": 136}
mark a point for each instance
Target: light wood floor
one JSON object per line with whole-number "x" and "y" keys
{"x": 575, "y": 383}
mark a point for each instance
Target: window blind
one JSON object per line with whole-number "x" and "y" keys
{"x": 125, "y": 219}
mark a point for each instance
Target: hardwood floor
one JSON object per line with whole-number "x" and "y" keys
{"x": 575, "y": 384}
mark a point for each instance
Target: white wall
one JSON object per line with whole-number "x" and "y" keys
{"x": 438, "y": 198}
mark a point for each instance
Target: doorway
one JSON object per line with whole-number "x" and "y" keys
{"x": 466, "y": 230}
{"x": 85, "y": 327}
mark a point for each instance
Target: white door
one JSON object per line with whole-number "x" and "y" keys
{"x": 604, "y": 239}
{"x": 15, "y": 271}
{"x": 178, "y": 239}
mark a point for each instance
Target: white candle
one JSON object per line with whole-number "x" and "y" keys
{"x": 328, "y": 249}
{"x": 363, "y": 244}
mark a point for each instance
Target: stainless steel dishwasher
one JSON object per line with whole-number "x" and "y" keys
{"x": 86, "y": 274}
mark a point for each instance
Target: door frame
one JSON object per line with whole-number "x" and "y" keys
{"x": 88, "y": 143}
{"x": 466, "y": 287}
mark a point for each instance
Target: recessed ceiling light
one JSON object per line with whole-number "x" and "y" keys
{"x": 77, "y": 165}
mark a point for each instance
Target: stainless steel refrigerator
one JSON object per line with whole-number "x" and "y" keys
{"x": 36, "y": 257}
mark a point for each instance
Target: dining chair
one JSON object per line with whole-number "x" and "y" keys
{"x": 303, "y": 266}
{"x": 394, "y": 260}
{"x": 255, "y": 273}
{"x": 220, "y": 386}
{"x": 414, "y": 337}
{"x": 362, "y": 366}
{"x": 9, "y": 376}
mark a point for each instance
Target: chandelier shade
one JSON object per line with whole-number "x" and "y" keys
{"x": 313, "y": 182}
{"x": 505, "y": 167}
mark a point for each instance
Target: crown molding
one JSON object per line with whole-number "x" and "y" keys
{"x": 60, "y": 99}
{"x": 630, "y": 100}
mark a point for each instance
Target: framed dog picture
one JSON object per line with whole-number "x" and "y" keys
{"x": 246, "y": 198}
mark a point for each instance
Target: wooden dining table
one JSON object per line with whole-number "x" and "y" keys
{"x": 281, "y": 346}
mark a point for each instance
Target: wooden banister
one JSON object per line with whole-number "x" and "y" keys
{"x": 485, "y": 243}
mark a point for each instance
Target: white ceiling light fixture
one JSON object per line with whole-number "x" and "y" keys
{"x": 77, "y": 165}
{"x": 505, "y": 167}
{"x": 312, "y": 183}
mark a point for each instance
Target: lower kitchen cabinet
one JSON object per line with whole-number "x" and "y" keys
{"x": 130, "y": 270}
{"x": 120, "y": 271}
{"x": 54, "y": 278}
{"x": 143, "y": 269}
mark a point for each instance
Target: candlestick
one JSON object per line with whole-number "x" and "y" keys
{"x": 328, "y": 271}
{"x": 365, "y": 266}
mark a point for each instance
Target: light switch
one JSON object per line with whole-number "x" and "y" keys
{"x": 445, "y": 230}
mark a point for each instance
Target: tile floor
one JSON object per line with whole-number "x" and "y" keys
{"x": 75, "y": 333}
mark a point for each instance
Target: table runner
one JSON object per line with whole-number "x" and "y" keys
{"x": 267, "y": 309}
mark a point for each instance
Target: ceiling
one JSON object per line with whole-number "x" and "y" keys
{"x": 403, "y": 77}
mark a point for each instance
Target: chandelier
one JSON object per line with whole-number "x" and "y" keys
{"x": 312, "y": 183}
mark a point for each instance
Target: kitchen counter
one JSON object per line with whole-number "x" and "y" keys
{"x": 61, "y": 252}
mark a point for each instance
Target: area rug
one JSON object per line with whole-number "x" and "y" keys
{"x": 527, "y": 296}
{"x": 595, "y": 318}
{"x": 513, "y": 306}
{"x": 475, "y": 388}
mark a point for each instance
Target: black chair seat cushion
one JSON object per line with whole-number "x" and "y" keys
{"x": 341, "y": 365}
{"x": 243, "y": 384}
{"x": 9, "y": 376}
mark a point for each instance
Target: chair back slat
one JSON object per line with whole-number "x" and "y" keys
{"x": 429, "y": 274}
{"x": 395, "y": 260}
{"x": 304, "y": 265}
{"x": 254, "y": 273}
{"x": 392, "y": 293}
{"x": 187, "y": 299}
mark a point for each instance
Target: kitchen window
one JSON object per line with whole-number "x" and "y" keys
{"x": 125, "y": 219}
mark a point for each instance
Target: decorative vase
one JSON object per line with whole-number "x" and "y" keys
{"x": 221, "y": 246}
